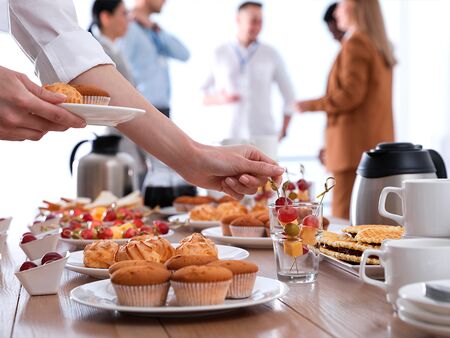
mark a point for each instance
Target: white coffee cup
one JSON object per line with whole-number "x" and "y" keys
{"x": 425, "y": 205}
{"x": 408, "y": 261}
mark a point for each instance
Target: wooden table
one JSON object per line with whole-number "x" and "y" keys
{"x": 337, "y": 305}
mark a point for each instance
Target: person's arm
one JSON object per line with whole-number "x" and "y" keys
{"x": 353, "y": 79}
{"x": 285, "y": 86}
{"x": 235, "y": 170}
{"x": 172, "y": 47}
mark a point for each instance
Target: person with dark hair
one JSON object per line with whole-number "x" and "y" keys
{"x": 109, "y": 23}
{"x": 331, "y": 22}
{"x": 241, "y": 80}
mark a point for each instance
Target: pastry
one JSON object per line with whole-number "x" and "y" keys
{"x": 244, "y": 276}
{"x": 92, "y": 94}
{"x": 196, "y": 244}
{"x": 138, "y": 250}
{"x": 225, "y": 223}
{"x": 247, "y": 226}
{"x": 204, "y": 212}
{"x": 353, "y": 230}
{"x": 162, "y": 247}
{"x": 201, "y": 285}
{"x": 377, "y": 235}
{"x": 141, "y": 285}
{"x": 180, "y": 261}
{"x": 226, "y": 199}
{"x": 181, "y": 203}
{"x": 116, "y": 266}
{"x": 230, "y": 208}
{"x": 100, "y": 254}
{"x": 72, "y": 95}
{"x": 344, "y": 248}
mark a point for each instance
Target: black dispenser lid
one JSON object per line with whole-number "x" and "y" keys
{"x": 107, "y": 144}
{"x": 389, "y": 159}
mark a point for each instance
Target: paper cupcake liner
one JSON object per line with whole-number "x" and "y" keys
{"x": 207, "y": 293}
{"x": 142, "y": 295}
{"x": 243, "y": 231}
{"x": 99, "y": 100}
{"x": 242, "y": 285}
{"x": 226, "y": 229}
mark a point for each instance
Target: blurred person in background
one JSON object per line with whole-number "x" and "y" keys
{"x": 358, "y": 100}
{"x": 148, "y": 48}
{"x": 331, "y": 22}
{"x": 109, "y": 23}
{"x": 241, "y": 79}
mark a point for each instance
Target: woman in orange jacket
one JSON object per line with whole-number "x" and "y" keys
{"x": 358, "y": 100}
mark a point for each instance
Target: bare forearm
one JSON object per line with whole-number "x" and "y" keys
{"x": 152, "y": 131}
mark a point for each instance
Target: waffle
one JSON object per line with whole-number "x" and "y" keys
{"x": 379, "y": 234}
{"x": 353, "y": 230}
{"x": 347, "y": 257}
{"x": 337, "y": 241}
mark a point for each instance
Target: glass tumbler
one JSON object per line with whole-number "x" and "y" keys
{"x": 295, "y": 229}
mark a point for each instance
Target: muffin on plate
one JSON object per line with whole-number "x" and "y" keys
{"x": 180, "y": 261}
{"x": 141, "y": 285}
{"x": 93, "y": 95}
{"x": 201, "y": 285}
{"x": 244, "y": 276}
{"x": 116, "y": 266}
{"x": 100, "y": 254}
{"x": 72, "y": 95}
{"x": 247, "y": 226}
{"x": 225, "y": 223}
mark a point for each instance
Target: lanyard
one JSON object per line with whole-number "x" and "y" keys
{"x": 244, "y": 60}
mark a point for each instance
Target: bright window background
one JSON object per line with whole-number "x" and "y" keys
{"x": 419, "y": 30}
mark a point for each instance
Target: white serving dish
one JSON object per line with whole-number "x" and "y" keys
{"x": 39, "y": 247}
{"x": 51, "y": 225}
{"x": 216, "y": 234}
{"x": 193, "y": 224}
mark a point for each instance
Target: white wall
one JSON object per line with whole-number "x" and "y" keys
{"x": 418, "y": 29}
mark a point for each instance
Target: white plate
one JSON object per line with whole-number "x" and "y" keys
{"x": 245, "y": 242}
{"x": 169, "y": 211}
{"x": 415, "y": 293}
{"x": 194, "y": 224}
{"x": 420, "y": 314}
{"x": 101, "y": 295}
{"x": 81, "y": 243}
{"x": 440, "y": 330}
{"x": 75, "y": 262}
{"x": 103, "y": 115}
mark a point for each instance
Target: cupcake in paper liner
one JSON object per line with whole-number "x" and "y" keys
{"x": 244, "y": 276}
{"x": 201, "y": 285}
{"x": 225, "y": 223}
{"x": 93, "y": 95}
{"x": 72, "y": 94}
{"x": 138, "y": 285}
{"x": 247, "y": 226}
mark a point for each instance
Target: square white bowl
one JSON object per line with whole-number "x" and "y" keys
{"x": 46, "y": 226}
{"x": 39, "y": 247}
{"x": 4, "y": 224}
{"x": 43, "y": 279}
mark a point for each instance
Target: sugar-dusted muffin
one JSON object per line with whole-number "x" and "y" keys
{"x": 225, "y": 223}
{"x": 201, "y": 285}
{"x": 203, "y": 212}
{"x": 247, "y": 226}
{"x": 100, "y": 254}
{"x": 163, "y": 247}
{"x": 141, "y": 285}
{"x": 244, "y": 276}
{"x": 116, "y": 266}
{"x": 138, "y": 250}
{"x": 180, "y": 261}
{"x": 196, "y": 244}
{"x": 92, "y": 94}
{"x": 73, "y": 95}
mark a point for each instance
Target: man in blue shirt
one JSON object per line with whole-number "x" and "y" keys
{"x": 148, "y": 48}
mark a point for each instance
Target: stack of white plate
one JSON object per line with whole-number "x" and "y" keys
{"x": 417, "y": 309}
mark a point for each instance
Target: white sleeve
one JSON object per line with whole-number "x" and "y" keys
{"x": 285, "y": 85}
{"x": 48, "y": 32}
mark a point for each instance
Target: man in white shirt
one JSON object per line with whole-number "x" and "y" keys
{"x": 48, "y": 32}
{"x": 242, "y": 77}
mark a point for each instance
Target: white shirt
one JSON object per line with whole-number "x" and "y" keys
{"x": 250, "y": 73}
{"x": 48, "y": 32}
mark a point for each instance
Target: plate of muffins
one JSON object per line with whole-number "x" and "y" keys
{"x": 155, "y": 289}
{"x": 195, "y": 249}
{"x": 92, "y": 104}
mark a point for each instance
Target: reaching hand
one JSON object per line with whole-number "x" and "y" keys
{"x": 28, "y": 112}
{"x": 300, "y": 107}
{"x": 235, "y": 170}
